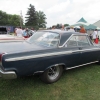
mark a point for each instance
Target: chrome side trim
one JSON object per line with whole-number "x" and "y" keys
{"x": 8, "y": 75}
{"x": 38, "y": 72}
{"x": 47, "y": 54}
{"x": 81, "y": 65}
{"x": 87, "y": 50}
{"x": 37, "y": 56}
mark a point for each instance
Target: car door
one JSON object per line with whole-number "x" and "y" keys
{"x": 72, "y": 59}
{"x": 89, "y": 52}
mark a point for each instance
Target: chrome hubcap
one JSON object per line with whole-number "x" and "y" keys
{"x": 53, "y": 72}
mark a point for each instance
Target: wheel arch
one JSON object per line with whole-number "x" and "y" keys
{"x": 60, "y": 64}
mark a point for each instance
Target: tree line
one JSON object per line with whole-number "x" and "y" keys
{"x": 35, "y": 19}
{"x": 8, "y": 19}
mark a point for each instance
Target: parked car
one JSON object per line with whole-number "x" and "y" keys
{"x": 6, "y": 37}
{"x": 3, "y": 30}
{"x": 47, "y": 53}
{"x": 10, "y": 38}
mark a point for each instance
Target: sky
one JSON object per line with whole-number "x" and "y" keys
{"x": 56, "y": 11}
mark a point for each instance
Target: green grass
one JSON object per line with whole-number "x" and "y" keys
{"x": 77, "y": 84}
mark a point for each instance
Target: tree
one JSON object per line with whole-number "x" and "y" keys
{"x": 8, "y": 19}
{"x": 35, "y": 19}
{"x": 3, "y": 18}
{"x": 13, "y": 20}
{"x": 41, "y": 19}
{"x": 66, "y": 25}
{"x": 31, "y": 19}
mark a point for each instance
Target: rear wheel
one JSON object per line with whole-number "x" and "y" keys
{"x": 52, "y": 74}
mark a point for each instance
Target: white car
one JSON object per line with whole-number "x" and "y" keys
{"x": 9, "y": 38}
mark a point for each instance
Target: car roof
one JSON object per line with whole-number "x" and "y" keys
{"x": 64, "y": 34}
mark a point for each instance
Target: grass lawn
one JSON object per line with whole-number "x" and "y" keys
{"x": 77, "y": 84}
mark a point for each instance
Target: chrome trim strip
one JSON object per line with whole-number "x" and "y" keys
{"x": 8, "y": 75}
{"x": 47, "y": 54}
{"x": 37, "y": 56}
{"x": 87, "y": 49}
{"x": 81, "y": 65}
{"x": 76, "y": 35}
{"x": 38, "y": 72}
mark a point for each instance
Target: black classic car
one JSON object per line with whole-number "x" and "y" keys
{"x": 47, "y": 53}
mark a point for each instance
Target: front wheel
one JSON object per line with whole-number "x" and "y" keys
{"x": 52, "y": 74}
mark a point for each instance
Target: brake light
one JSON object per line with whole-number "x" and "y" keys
{"x": 1, "y": 56}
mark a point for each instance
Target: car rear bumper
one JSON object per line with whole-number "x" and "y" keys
{"x": 7, "y": 74}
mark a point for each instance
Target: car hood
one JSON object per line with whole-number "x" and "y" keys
{"x": 15, "y": 47}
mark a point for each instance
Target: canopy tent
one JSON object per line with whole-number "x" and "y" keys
{"x": 86, "y": 25}
{"x": 91, "y": 27}
{"x": 82, "y": 21}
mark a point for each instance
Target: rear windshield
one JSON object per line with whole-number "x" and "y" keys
{"x": 48, "y": 39}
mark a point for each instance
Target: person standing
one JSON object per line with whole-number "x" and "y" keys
{"x": 82, "y": 29}
{"x": 95, "y": 36}
{"x": 19, "y": 32}
{"x": 62, "y": 28}
{"x": 71, "y": 29}
{"x": 53, "y": 27}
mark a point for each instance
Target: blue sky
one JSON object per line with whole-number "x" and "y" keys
{"x": 57, "y": 11}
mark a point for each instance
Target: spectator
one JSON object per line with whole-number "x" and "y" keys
{"x": 15, "y": 32}
{"x": 62, "y": 28}
{"x": 53, "y": 27}
{"x": 71, "y": 29}
{"x": 90, "y": 36}
{"x": 19, "y": 32}
{"x": 82, "y": 29}
{"x": 8, "y": 30}
{"x": 24, "y": 33}
{"x": 31, "y": 31}
{"x": 95, "y": 36}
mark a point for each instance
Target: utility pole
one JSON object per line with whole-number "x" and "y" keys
{"x": 21, "y": 19}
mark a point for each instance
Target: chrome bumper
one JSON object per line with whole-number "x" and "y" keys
{"x": 8, "y": 75}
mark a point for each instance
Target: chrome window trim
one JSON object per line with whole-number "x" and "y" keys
{"x": 66, "y": 41}
{"x": 76, "y": 41}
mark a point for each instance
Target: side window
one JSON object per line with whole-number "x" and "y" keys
{"x": 72, "y": 42}
{"x": 77, "y": 40}
{"x": 83, "y": 41}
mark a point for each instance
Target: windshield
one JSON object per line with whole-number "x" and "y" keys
{"x": 49, "y": 39}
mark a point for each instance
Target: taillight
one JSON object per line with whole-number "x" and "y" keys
{"x": 1, "y": 56}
